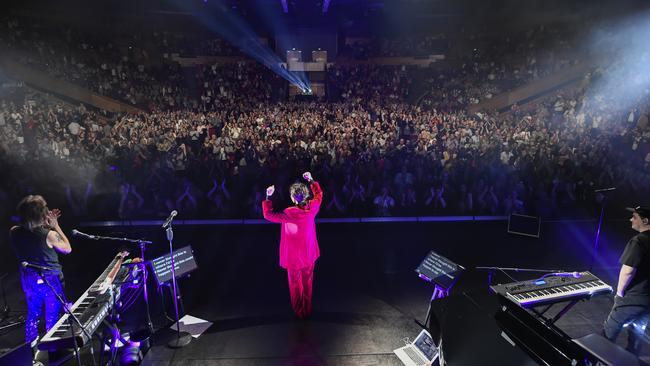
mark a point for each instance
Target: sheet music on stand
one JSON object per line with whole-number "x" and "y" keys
{"x": 443, "y": 274}
{"x": 439, "y": 270}
{"x": 184, "y": 262}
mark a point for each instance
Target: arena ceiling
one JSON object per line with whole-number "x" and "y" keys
{"x": 379, "y": 15}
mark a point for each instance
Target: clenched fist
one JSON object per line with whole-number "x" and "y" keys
{"x": 307, "y": 176}
{"x": 269, "y": 191}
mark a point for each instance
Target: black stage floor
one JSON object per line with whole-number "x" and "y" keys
{"x": 366, "y": 293}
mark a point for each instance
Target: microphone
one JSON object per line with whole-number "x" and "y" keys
{"x": 36, "y": 267}
{"x": 169, "y": 219}
{"x": 568, "y": 274}
{"x": 604, "y": 190}
{"x": 76, "y": 232}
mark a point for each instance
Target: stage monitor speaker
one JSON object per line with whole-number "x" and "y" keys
{"x": 524, "y": 225}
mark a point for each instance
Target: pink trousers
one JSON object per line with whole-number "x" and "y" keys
{"x": 300, "y": 284}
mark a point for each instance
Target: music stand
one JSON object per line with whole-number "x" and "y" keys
{"x": 182, "y": 338}
{"x": 442, "y": 273}
{"x": 184, "y": 262}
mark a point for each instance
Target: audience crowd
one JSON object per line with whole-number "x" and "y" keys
{"x": 406, "y": 46}
{"x": 212, "y": 138}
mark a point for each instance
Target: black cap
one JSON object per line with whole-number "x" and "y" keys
{"x": 643, "y": 211}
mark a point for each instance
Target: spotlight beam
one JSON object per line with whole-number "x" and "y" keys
{"x": 239, "y": 33}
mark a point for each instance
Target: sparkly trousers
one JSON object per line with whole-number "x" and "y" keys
{"x": 40, "y": 297}
{"x": 300, "y": 285}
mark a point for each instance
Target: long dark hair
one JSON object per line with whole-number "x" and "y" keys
{"x": 32, "y": 211}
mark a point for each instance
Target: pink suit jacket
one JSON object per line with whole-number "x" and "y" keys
{"x": 298, "y": 243}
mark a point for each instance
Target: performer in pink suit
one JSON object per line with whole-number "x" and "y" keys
{"x": 298, "y": 244}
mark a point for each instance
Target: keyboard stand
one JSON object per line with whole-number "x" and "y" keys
{"x": 110, "y": 338}
{"x": 110, "y": 323}
{"x": 565, "y": 309}
{"x": 438, "y": 293}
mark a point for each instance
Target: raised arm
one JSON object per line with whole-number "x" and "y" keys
{"x": 267, "y": 209}
{"x": 226, "y": 193}
{"x": 137, "y": 196}
{"x": 180, "y": 198}
{"x": 124, "y": 193}
{"x": 56, "y": 238}
{"x": 214, "y": 188}
{"x": 316, "y": 190}
{"x": 191, "y": 198}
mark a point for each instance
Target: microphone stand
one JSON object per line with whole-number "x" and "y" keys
{"x": 72, "y": 319}
{"x": 5, "y": 308}
{"x": 145, "y": 293}
{"x": 6, "y": 320}
{"x": 600, "y": 224}
{"x": 491, "y": 271}
{"x": 182, "y": 338}
{"x": 142, "y": 244}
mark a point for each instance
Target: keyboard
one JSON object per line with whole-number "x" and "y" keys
{"x": 91, "y": 308}
{"x": 414, "y": 356}
{"x": 552, "y": 289}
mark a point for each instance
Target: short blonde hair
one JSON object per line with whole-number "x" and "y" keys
{"x": 300, "y": 193}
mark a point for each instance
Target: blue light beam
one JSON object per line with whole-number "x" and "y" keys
{"x": 239, "y": 33}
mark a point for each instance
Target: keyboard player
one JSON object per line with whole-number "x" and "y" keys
{"x": 38, "y": 240}
{"x": 632, "y": 300}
